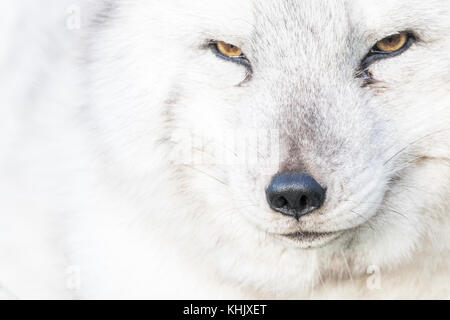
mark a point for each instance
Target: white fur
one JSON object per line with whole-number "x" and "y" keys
{"x": 95, "y": 195}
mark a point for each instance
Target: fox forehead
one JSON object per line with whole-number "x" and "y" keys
{"x": 236, "y": 18}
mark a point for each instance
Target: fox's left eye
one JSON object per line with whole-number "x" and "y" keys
{"x": 388, "y": 47}
{"x": 392, "y": 43}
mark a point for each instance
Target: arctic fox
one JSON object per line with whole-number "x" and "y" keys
{"x": 226, "y": 149}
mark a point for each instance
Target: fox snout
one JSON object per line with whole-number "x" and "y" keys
{"x": 295, "y": 194}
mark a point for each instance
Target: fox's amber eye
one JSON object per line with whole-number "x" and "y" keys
{"x": 228, "y": 50}
{"x": 392, "y": 43}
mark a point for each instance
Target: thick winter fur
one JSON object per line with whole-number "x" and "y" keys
{"x": 98, "y": 199}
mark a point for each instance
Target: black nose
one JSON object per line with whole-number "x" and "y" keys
{"x": 295, "y": 194}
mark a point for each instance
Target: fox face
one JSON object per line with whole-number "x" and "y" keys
{"x": 307, "y": 136}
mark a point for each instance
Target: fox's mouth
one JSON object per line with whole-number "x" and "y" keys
{"x": 309, "y": 240}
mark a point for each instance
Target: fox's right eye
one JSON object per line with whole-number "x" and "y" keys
{"x": 229, "y": 52}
